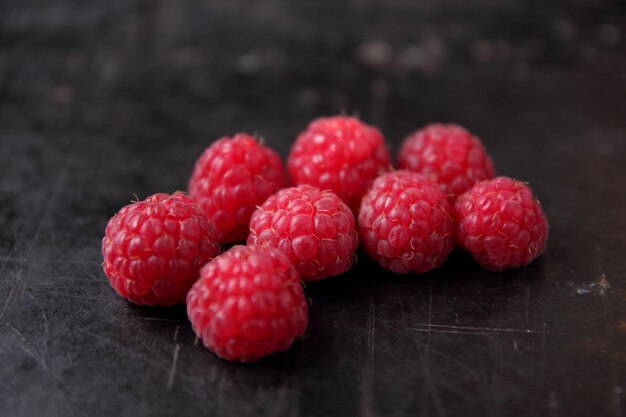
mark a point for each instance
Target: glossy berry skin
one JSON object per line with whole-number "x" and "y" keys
{"x": 341, "y": 154}
{"x": 231, "y": 178}
{"x": 314, "y": 229}
{"x": 501, "y": 224}
{"x": 248, "y": 304}
{"x": 153, "y": 249}
{"x": 450, "y": 154}
{"x": 405, "y": 223}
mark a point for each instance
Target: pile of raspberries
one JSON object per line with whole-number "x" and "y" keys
{"x": 248, "y": 301}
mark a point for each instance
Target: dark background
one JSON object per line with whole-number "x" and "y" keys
{"x": 103, "y": 99}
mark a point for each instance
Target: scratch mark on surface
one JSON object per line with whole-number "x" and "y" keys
{"x": 159, "y": 319}
{"x": 46, "y": 369}
{"x": 432, "y": 387}
{"x": 136, "y": 354}
{"x": 45, "y": 327}
{"x": 444, "y": 328}
{"x": 505, "y": 287}
{"x": 371, "y": 322}
{"x": 496, "y": 386}
{"x": 20, "y": 334}
{"x": 14, "y": 288}
{"x": 20, "y": 282}
{"x": 460, "y": 364}
{"x": 368, "y": 371}
{"x": 59, "y": 294}
{"x": 40, "y": 360}
{"x": 176, "y": 332}
{"x": 172, "y": 376}
{"x": 106, "y": 340}
{"x": 430, "y": 316}
{"x": 119, "y": 347}
{"x": 7, "y": 301}
{"x": 71, "y": 284}
{"x": 50, "y": 261}
{"x": 603, "y": 290}
{"x": 20, "y": 285}
{"x": 17, "y": 278}
{"x": 55, "y": 190}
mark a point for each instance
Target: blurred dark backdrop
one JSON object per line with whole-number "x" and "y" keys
{"x": 193, "y": 69}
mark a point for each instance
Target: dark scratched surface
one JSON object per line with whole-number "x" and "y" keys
{"x": 103, "y": 99}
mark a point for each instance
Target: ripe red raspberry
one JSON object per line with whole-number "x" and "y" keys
{"x": 405, "y": 223}
{"x": 501, "y": 224}
{"x": 153, "y": 249}
{"x": 248, "y": 304}
{"x": 231, "y": 178}
{"x": 314, "y": 229}
{"x": 341, "y": 154}
{"x": 454, "y": 157}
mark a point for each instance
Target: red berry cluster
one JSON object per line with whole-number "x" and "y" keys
{"x": 249, "y": 302}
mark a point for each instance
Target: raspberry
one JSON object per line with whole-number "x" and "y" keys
{"x": 248, "y": 304}
{"x": 501, "y": 224}
{"x": 454, "y": 157}
{"x": 314, "y": 229}
{"x": 231, "y": 178}
{"x": 341, "y": 154}
{"x": 153, "y": 249}
{"x": 405, "y": 223}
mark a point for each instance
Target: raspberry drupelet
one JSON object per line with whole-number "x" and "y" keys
{"x": 231, "y": 178}
{"x": 405, "y": 223}
{"x": 501, "y": 224}
{"x": 153, "y": 249}
{"x": 341, "y": 154}
{"x": 314, "y": 229}
{"x": 248, "y": 304}
{"x": 450, "y": 154}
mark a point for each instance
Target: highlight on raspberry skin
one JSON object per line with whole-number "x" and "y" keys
{"x": 501, "y": 224}
{"x": 315, "y": 229}
{"x": 450, "y": 154}
{"x": 231, "y": 178}
{"x": 248, "y": 303}
{"x": 153, "y": 249}
{"x": 405, "y": 223}
{"x": 341, "y": 154}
